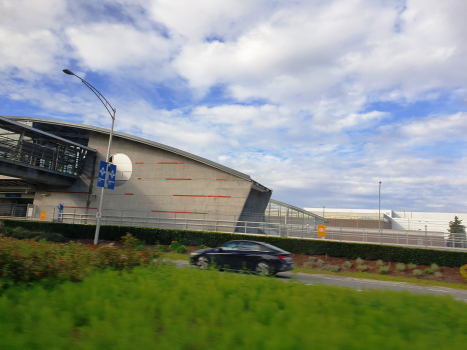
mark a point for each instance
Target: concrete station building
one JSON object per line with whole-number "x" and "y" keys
{"x": 46, "y": 162}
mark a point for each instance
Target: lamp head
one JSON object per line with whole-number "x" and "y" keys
{"x": 69, "y": 72}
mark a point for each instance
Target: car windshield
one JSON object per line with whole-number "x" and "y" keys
{"x": 274, "y": 248}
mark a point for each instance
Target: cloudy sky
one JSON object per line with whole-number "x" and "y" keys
{"x": 318, "y": 100}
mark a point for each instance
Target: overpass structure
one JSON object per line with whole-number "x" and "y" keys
{"x": 37, "y": 157}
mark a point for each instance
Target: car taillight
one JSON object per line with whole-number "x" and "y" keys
{"x": 282, "y": 257}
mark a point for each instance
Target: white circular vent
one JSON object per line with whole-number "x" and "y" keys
{"x": 124, "y": 168}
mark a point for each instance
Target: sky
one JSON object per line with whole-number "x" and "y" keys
{"x": 319, "y": 100}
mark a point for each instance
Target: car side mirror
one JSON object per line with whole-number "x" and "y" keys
{"x": 221, "y": 250}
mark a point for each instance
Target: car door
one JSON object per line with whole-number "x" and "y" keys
{"x": 249, "y": 255}
{"x": 227, "y": 254}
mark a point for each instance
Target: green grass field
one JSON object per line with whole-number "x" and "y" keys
{"x": 163, "y": 307}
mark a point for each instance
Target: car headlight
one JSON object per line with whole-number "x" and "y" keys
{"x": 194, "y": 254}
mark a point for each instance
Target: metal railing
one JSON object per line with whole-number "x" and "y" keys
{"x": 428, "y": 240}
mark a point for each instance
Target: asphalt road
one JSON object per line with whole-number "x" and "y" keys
{"x": 363, "y": 284}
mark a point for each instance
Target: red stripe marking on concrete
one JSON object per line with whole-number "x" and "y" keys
{"x": 221, "y": 179}
{"x": 170, "y": 163}
{"x": 140, "y": 178}
{"x": 140, "y": 163}
{"x": 195, "y": 195}
{"x": 78, "y": 208}
{"x": 179, "y": 179}
{"x": 65, "y": 192}
{"x": 175, "y": 212}
{"x": 128, "y": 194}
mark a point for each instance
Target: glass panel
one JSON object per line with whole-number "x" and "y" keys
{"x": 230, "y": 246}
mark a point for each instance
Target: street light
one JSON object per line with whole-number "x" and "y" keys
{"x": 112, "y": 112}
{"x": 379, "y": 213}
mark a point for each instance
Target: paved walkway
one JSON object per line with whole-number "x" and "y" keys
{"x": 364, "y": 284}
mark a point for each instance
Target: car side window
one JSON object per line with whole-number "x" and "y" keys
{"x": 249, "y": 246}
{"x": 230, "y": 246}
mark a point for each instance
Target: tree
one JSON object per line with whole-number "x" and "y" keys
{"x": 457, "y": 237}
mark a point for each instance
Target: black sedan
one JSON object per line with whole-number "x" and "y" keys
{"x": 259, "y": 257}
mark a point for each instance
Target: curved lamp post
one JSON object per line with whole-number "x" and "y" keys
{"x": 112, "y": 112}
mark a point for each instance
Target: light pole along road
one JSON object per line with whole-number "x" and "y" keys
{"x": 112, "y": 112}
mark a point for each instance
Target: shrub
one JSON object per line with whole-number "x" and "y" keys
{"x": 174, "y": 245}
{"x": 161, "y": 248}
{"x": 182, "y": 249}
{"x": 201, "y": 246}
{"x": 309, "y": 264}
{"x": 213, "y": 239}
{"x": 379, "y": 263}
{"x": 434, "y": 267}
{"x": 438, "y": 275}
{"x": 463, "y": 271}
{"x": 400, "y": 267}
{"x": 359, "y": 261}
{"x": 347, "y": 265}
{"x": 383, "y": 270}
{"x": 362, "y": 268}
{"x": 428, "y": 271}
{"x": 417, "y": 272}
{"x": 320, "y": 262}
{"x": 26, "y": 262}
{"x": 411, "y": 266}
{"x": 332, "y": 268}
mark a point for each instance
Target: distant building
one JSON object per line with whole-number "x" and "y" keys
{"x": 390, "y": 219}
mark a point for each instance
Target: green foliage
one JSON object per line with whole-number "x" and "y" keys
{"x": 309, "y": 264}
{"x": 347, "y": 265}
{"x": 411, "y": 266}
{"x": 383, "y": 270}
{"x": 428, "y": 271}
{"x": 463, "y": 271}
{"x": 438, "y": 275}
{"x": 293, "y": 245}
{"x": 359, "y": 261}
{"x": 22, "y": 233}
{"x": 320, "y": 262}
{"x": 181, "y": 249}
{"x": 400, "y": 267}
{"x": 457, "y": 237}
{"x": 417, "y": 272}
{"x": 362, "y": 268}
{"x": 331, "y": 268}
{"x": 28, "y": 262}
{"x": 160, "y": 248}
{"x": 160, "y": 308}
{"x": 434, "y": 267}
{"x": 201, "y": 246}
{"x": 174, "y": 245}
{"x": 379, "y": 263}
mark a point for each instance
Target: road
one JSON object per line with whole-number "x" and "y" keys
{"x": 363, "y": 284}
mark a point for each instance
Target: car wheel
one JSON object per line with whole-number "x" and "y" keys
{"x": 263, "y": 268}
{"x": 203, "y": 262}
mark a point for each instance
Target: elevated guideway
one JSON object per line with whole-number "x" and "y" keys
{"x": 36, "y": 156}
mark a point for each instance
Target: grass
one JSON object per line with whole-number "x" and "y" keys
{"x": 175, "y": 256}
{"x": 371, "y": 276}
{"x": 168, "y": 308}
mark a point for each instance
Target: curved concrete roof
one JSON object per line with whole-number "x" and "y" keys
{"x": 140, "y": 140}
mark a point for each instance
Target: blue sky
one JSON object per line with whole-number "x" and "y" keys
{"x": 318, "y": 100}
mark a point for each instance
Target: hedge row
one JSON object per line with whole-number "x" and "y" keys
{"x": 213, "y": 239}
